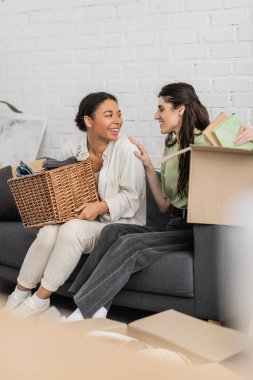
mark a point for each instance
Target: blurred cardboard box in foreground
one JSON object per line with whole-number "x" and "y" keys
{"x": 218, "y": 178}
{"x": 207, "y": 346}
{"x": 40, "y": 350}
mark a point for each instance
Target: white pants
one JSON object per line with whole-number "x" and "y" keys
{"x": 56, "y": 251}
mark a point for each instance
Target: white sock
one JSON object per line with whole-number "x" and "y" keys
{"x": 40, "y": 303}
{"x": 100, "y": 313}
{"x": 22, "y": 293}
{"x": 75, "y": 316}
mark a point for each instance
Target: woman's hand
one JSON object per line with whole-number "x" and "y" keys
{"x": 90, "y": 211}
{"x": 244, "y": 135}
{"x": 142, "y": 154}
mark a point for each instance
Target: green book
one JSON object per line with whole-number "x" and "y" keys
{"x": 226, "y": 132}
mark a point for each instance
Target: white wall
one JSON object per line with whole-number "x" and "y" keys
{"x": 54, "y": 52}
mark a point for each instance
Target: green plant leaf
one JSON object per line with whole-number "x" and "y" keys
{"x": 14, "y": 109}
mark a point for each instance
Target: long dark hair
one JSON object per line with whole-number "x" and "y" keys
{"x": 195, "y": 116}
{"x": 88, "y": 106}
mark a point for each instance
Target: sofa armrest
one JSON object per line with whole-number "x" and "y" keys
{"x": 210, "y": 251}
{"x": 223, "y": 280}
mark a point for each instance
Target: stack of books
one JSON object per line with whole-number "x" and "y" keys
{"x": 223, "y": 131}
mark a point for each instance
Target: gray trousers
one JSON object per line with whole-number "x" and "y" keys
{"x": 124, "y": 249}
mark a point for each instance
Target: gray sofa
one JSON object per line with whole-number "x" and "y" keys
{"x": 186, "y": 281}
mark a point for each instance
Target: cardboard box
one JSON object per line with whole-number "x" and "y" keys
{"x": 206, "y": 345}
{"x": 63, "y": 351}
{"x": 219, "y": 177}
{"x": 30, "y": 349}
{"x": 200, "y": 341}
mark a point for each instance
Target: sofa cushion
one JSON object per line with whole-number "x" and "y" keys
{"x": 15, "y": 241}
{"x": 171, "y": 275}
{"x": 8, "y": 208}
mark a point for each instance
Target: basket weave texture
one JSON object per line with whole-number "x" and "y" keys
{"x": 50, "y": 197}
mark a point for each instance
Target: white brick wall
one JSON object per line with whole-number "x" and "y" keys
{"x": 54, "y": 52}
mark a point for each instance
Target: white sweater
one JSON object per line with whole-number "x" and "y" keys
{"x": 121, "y": 182}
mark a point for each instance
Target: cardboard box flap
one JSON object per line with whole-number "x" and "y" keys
{"x": 220, "y": 149}
{"x": 204, "y": 339}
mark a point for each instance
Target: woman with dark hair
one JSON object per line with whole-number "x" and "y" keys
{"x": 126, "y": 249}
{"x": 121, "y": 186}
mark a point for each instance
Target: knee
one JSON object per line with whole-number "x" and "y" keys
{"x": 125, "y": 240}
{"x": 48, "y": 233}
{"x": 77, "y": 230}
{"x": 130, "y": 242}
{"x": 69, "y": 229}
{"x": 46, "y": 237}
{"x": 120, "y": 247}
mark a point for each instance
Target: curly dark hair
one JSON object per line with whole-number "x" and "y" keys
{"x": 195, "y": 116}
{"x": 88, "y": 106}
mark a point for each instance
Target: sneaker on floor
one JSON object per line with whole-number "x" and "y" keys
{"x": 29, "y": 308}
{"x": 14, "y": 301}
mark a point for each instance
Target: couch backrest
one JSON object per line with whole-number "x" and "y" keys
{"x": 155, "y": 217}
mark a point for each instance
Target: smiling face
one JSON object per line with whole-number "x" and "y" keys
{"x": 106, "y": 121}
{"x": 170, "y": 118}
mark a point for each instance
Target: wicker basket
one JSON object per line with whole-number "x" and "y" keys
{"x": 50, "y": 197}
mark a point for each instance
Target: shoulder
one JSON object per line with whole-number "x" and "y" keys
{"x": 74, "y": 140}
{"x": 123, "y": 144}
{"x": 168, "y": 150}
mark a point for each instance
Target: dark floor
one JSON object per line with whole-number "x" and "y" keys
{"x": 117, "y": 313}
{"x": 66, "y": 305}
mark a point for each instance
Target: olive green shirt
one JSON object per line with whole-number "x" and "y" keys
{"x": 169, "y": 174}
